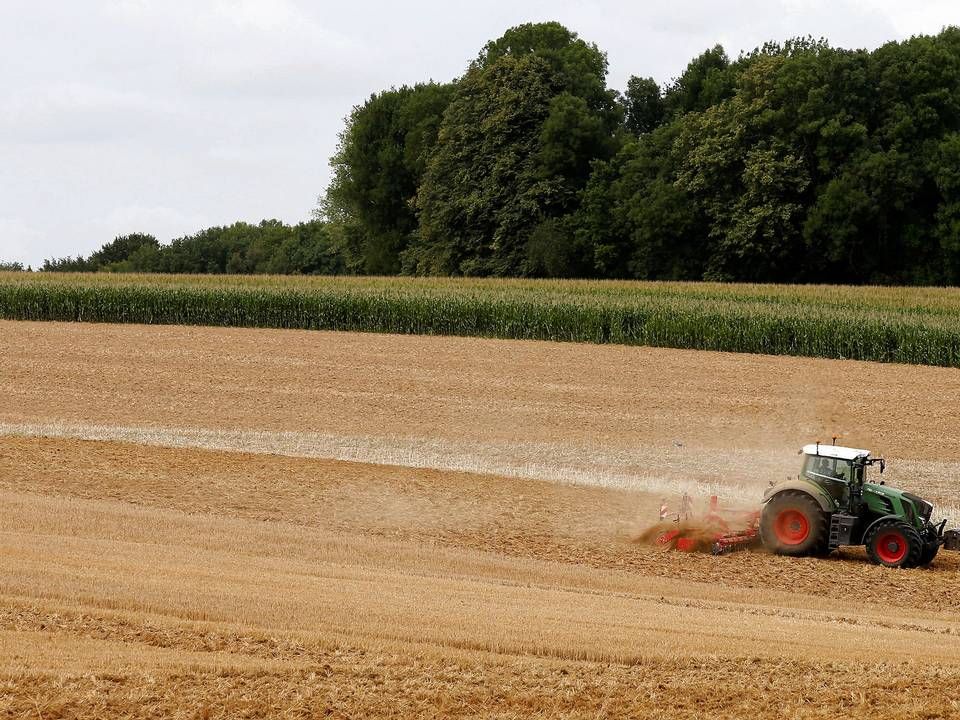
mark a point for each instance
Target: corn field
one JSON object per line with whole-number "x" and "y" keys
{"x": 906, "y": 325}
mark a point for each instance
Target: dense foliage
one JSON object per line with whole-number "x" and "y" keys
{"x": 797, "y": 162}
{"x": 885, "y": 324}
{"x": 379, "y": 165}
{"x": 311, "y": 248}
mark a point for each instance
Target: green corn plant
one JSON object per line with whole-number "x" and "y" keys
{"x": 906, "y": 325}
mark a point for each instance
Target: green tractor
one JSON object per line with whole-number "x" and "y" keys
{"x": 831, "y": 504}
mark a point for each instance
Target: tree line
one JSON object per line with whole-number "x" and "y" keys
{"x": 271, "y": 247}
{"x": 796, "y": 162}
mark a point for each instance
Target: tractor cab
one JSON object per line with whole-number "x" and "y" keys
{"x": 840, "y": 471}
{"x": 834, "y": 463}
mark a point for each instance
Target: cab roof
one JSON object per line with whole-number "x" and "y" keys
{"x": 835, "y": 451}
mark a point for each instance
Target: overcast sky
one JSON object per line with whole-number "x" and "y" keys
{"x": 167, "y": 116}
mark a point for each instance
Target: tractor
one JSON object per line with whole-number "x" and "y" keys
{"x": 831, "y": 504}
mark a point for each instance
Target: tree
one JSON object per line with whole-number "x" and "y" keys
{"x": 643, "y": 105}
{"x": 707, "y": 80}
{"x": 572, "y": 138}
{"x": 749, "y": 180}
{"x": 637, "y": 220}
{"x": 556, "y": 250}
{"x": 482, "y": 193}
{"x": 947, "y": 218}
{"x": 122, "y": 247}
{"x": 309, "y": 249}
{"x": 513, "y": 153}
{"x": 378, "y": 166}
{"x": 580, "y": 67}
{"x": 882, "y": 213}
{"x": 67, "y": 264}
{"x": 271, "y": 246}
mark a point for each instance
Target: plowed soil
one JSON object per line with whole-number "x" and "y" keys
{"x": 177, "y": 539}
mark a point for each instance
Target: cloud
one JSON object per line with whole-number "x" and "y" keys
{"x": 228, "y": 38}
{"x": 79, "y": 112}
{"x": 906, "y": 19}
{"x": 162, "y": 221}
{"x": 18, "y": 241}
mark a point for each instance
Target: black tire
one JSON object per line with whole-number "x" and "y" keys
{"x": 893, "y": 543}
{"x": 793, "y": 523}
{"x": 931, "y": 545}
{"x": 928, "y": 553}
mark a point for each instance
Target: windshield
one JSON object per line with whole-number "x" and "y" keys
{"x": 818, "y": 467}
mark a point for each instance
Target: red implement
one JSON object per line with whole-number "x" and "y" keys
{"x": 718, "y": 530}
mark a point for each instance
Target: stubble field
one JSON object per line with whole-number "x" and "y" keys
{"x": 214, "y": 522}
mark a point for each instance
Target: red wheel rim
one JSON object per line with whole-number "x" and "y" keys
{"x": 791, "y": 527}
{"x": 891, "y": 547}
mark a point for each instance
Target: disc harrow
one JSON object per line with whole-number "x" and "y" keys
{"x": 717, "y": 530}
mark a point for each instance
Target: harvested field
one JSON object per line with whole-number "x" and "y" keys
{"x": 180, "y": 539}
{"x": 642, "y": 418}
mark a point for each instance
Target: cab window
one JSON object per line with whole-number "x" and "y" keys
{"x": 843, "y": 470}
{"x": 828, "y": 468}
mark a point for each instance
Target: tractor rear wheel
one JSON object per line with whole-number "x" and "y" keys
{"x": 893, "y": 543}
{"x": 792, "y": 523}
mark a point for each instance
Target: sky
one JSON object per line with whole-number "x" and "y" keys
{"x": 168, "y": 116}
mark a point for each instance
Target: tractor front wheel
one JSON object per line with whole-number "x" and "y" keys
{"x": 930, "y": 550}
{"x": 895, "y": 544}
{"x": 931, "y": 546}
{"x": 792, "y": 523}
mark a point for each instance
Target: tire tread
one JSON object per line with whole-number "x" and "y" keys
{"x": 914, "y": 542}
